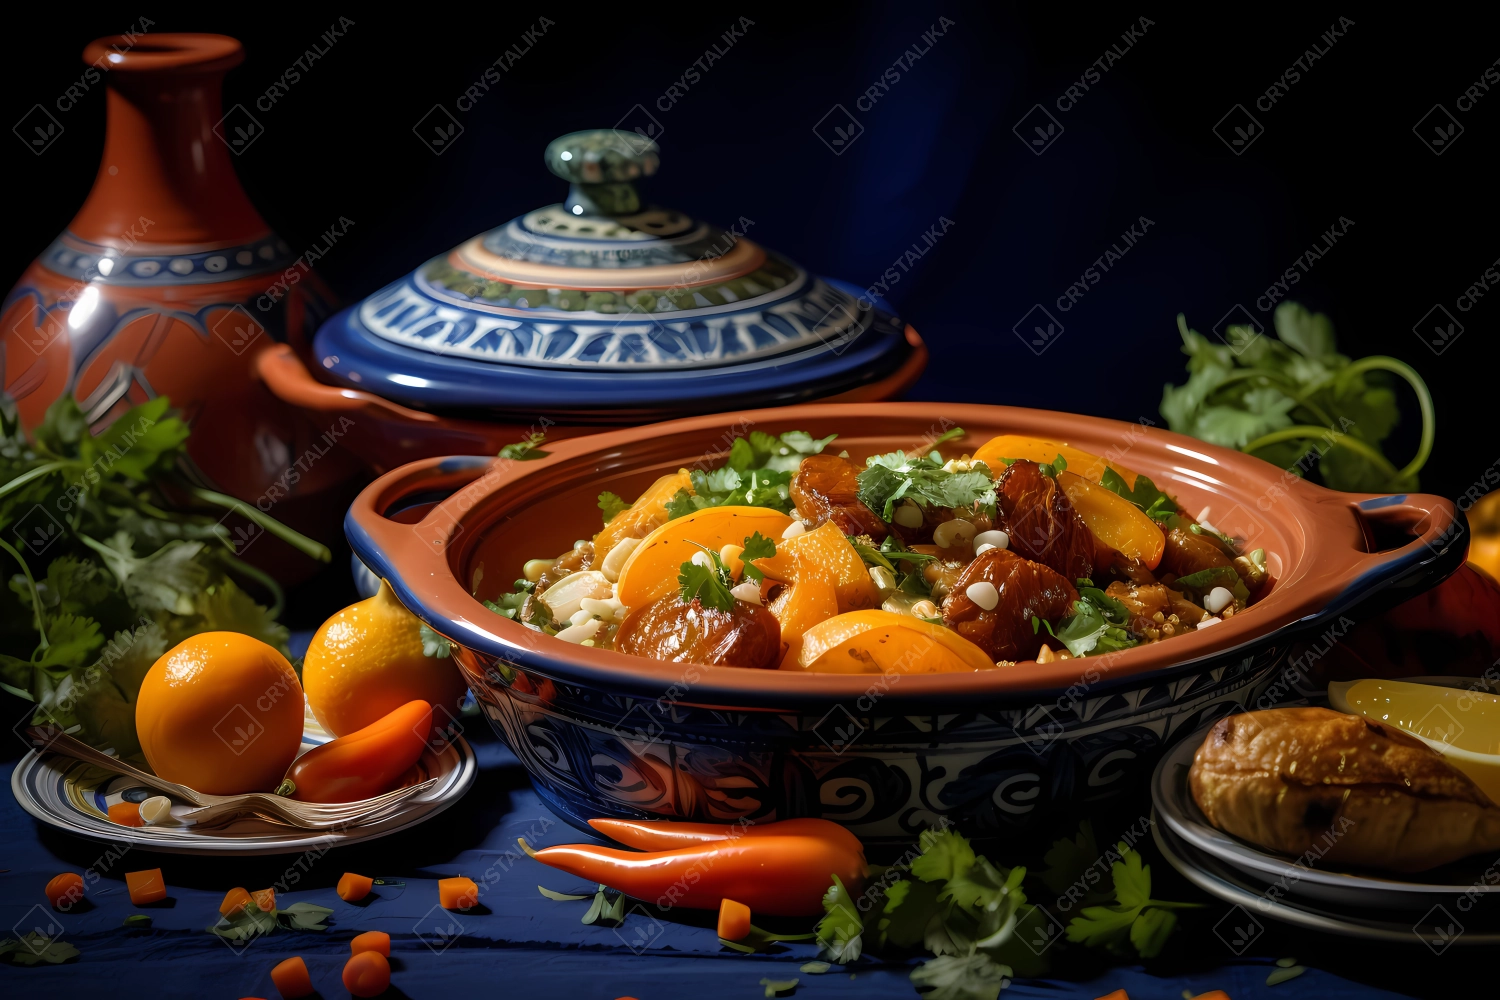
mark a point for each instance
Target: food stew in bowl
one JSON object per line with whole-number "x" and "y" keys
{"x": 789, "y": 554}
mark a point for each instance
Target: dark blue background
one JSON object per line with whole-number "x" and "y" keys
{"x": 939, "y": 144}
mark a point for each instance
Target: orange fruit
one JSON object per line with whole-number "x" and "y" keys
{"x": 367, "y": 661}
{"x": 221, "y": 713}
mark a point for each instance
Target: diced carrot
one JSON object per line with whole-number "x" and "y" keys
{"x": 371, "y": 941}
{"x": 353, "y": 888}
{"x": 1116, "y": 995}
{"x": 146, "y": 887}
{"x": 457, "y": 893}
{"x": 1212, "y": 995}
{"x": 367, "y": 974}
{"x": 64, "y": 890}
{"x": 291, "y": 978}
{"x": 265, "y": 899}
{"x": 126, "y": 814}
{"x": 734, "y": 920}
{"x": 234, "y": 901}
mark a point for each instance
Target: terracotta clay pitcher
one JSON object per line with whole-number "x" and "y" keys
{"x": 168, "y": 282}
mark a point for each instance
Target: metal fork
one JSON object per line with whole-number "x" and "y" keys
{"x": 304, "y": 815}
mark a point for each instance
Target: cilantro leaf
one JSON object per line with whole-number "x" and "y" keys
{"x": 757, "y": 546}
{"x": 910, "y": 906}
{"x": 526, "y": 450}
{"x": 1205, "y": 580}
{"x": 961, "y": 977}
{"x": 887, "y": 479}
{"x": 945, "y": 854}
{"x": 1068, "y": 859}
{"x": 1133, "y": 919}
{"x": 435, "y": 645}
{"x": 36, "y": 947}
{"x": 840, "y": 931}
{"x": 708, "y": 585}
{"x": 611, "y": 505}
{"x": 1144, "y": 494}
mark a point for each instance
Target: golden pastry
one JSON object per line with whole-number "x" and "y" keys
{"x": 1341, "y": 788}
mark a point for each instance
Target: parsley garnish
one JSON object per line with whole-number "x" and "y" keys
{"x": 1135, "y": 921}
{"x": 527, "y": 449}
{"x": 709, "y": 585}
{"x": 781, "y": 453}
{"x": 611, "y": 505}
{"x": 897, "y": 476}
{"x": 728, "y": 487}
{"x": 757, "y": 546}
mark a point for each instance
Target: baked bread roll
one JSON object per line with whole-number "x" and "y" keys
{"x": 1341, "y": 788}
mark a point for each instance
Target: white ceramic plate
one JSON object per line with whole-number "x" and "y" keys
{"x": 1314, "y": 881}
{"x": 1439, "y": 927}
{"x": 76, "y": 797}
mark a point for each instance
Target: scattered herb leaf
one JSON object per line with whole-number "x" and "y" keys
{"x": 611, "y": 505}
{"x": 526, "y": 449}
{"x": 709, "y": 585}
{"x": 757, "y": 546}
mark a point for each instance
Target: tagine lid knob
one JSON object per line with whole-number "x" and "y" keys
{"x": 601, "y": 166}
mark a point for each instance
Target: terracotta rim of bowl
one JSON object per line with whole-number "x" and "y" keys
{"x": 1332, "y": 571}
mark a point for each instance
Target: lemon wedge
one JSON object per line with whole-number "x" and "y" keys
{"x": 1462, "y": 725}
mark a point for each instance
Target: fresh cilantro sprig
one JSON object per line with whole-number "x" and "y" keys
{"x": 611, "y": 505}
{"x": 708, "y": 584}
{"x": 1293, "y": 400}
{"x": 888, "y": 479}
{"x": 779, "y": 453}
{"x": 1144, "y": 494}
{"x": 757, "y": 546}
{"x": 729, "y": 487}
{"x": 1134, "y": 922}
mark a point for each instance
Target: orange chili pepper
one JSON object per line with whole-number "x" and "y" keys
{"x": 664, "y": 835}
{"x": 146, "y": 887}
{"x": 352, "y": 888}
{"x": 64, "y": 890}
{"x": 1116, "y": 995}
{"x": 371, "y": 941}
{"x": 291, "y": 979}
{"x": 777, "y": 875}
{"x": 365, "y": 763}
{"x": 265, "y": 899}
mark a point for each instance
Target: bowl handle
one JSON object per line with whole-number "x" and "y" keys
{"x": 289, "y": 381}
{"x": 382, "y": 541}
{"x": 1382, "y": 578}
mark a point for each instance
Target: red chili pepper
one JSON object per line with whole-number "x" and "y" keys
{"x": 783, "y": 876}
{"x": 365, "y": 763}
{"x": 664, "y": 835}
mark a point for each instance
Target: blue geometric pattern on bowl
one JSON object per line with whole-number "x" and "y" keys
{"x": 993, "y": 769}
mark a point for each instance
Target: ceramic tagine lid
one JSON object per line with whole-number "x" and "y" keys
{"x": 604, "y": 304}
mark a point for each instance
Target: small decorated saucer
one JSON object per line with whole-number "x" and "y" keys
{"x": 75, "y": 796}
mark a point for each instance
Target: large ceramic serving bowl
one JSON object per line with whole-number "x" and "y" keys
{"x": 604, "y": 734}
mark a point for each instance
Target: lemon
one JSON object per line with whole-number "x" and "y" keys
{"x": 1462, "y": 725}
{"x": 367, "y": 661}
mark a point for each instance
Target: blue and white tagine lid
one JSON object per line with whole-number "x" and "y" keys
{"x": 603, "y": 304}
